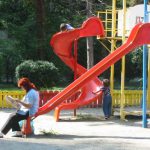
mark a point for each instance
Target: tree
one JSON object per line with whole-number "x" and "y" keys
{"x": 40, "y": 21}
{"x": 90, "y": 55}
{"x": 43, "y": 73}
{"x": 30, "y": 24}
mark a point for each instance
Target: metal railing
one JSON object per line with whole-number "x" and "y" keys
{"x": 132, "y": 98}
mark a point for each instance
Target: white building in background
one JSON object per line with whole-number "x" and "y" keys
{"x": 134, "y": 15}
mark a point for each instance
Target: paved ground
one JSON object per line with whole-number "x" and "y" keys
{"x": 88, "y": 132}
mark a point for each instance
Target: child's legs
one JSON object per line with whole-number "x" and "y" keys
{"x": 107, "y": 105}
{"x": 104, "y": 109}
{"x": 110, "y": 107}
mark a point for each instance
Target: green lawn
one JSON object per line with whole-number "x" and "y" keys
{"x": 12, "y": 87}
{"x": 135, "y": 84}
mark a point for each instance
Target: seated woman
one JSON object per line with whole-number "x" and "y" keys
{"x": 29, "y": 106}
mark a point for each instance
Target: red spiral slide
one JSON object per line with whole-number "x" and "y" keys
{"x": 62, "y": 44}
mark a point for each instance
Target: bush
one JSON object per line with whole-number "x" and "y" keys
{"x": 42, "y": 73}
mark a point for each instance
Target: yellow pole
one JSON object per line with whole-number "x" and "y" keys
{"x": 123, "y": 63}
{"x": 113, "y": 44}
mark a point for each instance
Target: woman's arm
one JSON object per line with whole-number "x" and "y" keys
{"x": 24, "y": 104}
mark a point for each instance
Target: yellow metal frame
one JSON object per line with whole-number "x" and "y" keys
{"x": 110, "y": 20}
{"x": 123, "y": 63}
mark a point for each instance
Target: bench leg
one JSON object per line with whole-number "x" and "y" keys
{"x": 26, "y": 128}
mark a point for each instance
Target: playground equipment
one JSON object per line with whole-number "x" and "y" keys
{"x": 62, "y": 45}
{"x": 145, "y": 72}
{"x": 139, "y": 36}
{"x": 87, "y": 81}
{"x": 91, "y": 27}
{"x": 111, "y": 20}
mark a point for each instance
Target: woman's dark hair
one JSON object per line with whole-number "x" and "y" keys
{"x": 25, "y": 82}
{"x": 106, "y": 82}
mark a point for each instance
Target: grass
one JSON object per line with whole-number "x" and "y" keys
{"x": 53, "y": 88}
{"x": 49, "y": 133}
{"x": 133, "y": 84}
{"x": 84, "y": 117}
{"x": 8, "y": 87}
{"x": 12, "y": 87}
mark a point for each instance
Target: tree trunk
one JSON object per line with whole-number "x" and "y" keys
{"x": 90, "y": 55}
{"x": 40, "y": 20}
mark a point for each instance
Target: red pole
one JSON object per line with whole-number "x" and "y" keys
{"x": 75, "y": 57}
{"x": 75, "y": 65}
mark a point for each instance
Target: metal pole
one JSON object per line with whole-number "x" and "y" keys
{"x": 113, "y": 44}
{"x": 123, "y": 63}
{"x": 148, "y": 77}
{"x": 89, "y": 40}
{"x": 75, "y": 67}
{"x": 144, "y": 120}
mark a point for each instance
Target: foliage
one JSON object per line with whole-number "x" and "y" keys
{"x": 20, "y": 25}
{"x": 9, "y": 58}
{"x": 18, "y": 19}
{"x": 137, "y": 61}
{"x": 135, "y": 2}
{"x": 42, "y": 73}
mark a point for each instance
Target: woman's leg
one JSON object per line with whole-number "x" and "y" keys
{"x": 13, "y": 122}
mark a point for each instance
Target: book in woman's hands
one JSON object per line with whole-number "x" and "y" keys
{"x": 13, "y": 102}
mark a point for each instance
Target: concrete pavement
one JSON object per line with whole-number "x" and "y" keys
{"x": 88, "y": 132}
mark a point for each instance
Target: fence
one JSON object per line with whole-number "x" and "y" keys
{"x": 15, "y": 94}
{"x": 132, "y": 98}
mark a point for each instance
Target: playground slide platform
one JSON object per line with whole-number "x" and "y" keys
{"x": 133, "y": 111}
{"x": 139, "y": 36}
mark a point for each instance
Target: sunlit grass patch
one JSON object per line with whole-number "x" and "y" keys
{"x": 49, "y": 133}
